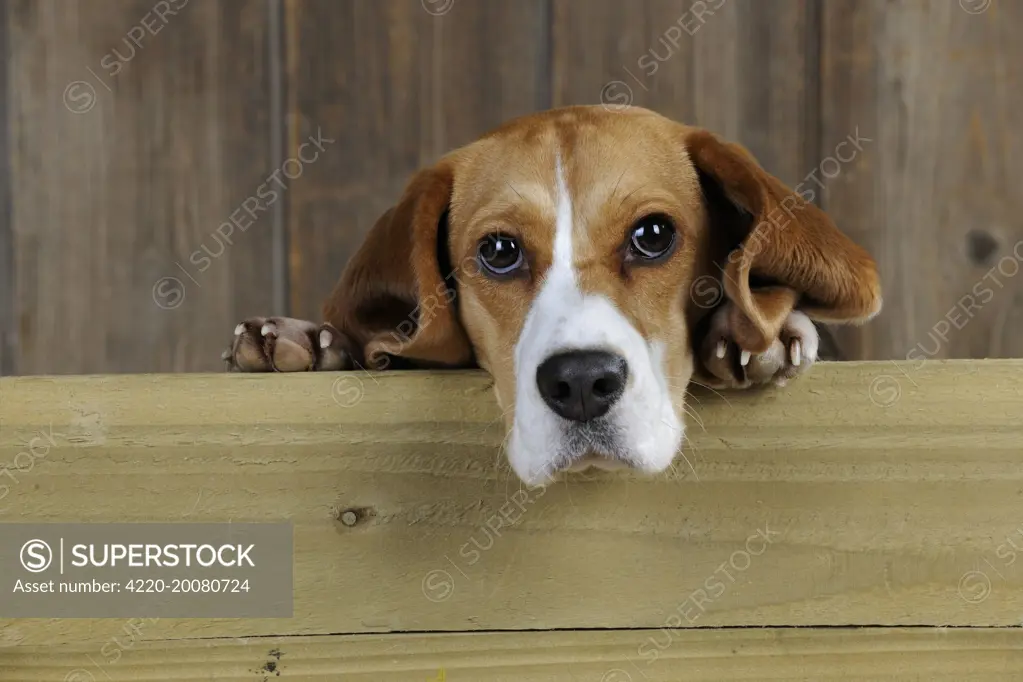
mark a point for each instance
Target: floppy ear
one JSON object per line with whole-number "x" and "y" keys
{"x": 792, "y": 253}
{"x": 396, "y": 297}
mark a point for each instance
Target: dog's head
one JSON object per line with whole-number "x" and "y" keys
{"x": 558, "y": 253}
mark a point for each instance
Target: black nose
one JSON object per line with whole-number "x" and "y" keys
{"x": 582, "y": 384}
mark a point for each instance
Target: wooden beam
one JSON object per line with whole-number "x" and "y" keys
{"x": 890, "y": 494}
{"x": 796, "y": 655}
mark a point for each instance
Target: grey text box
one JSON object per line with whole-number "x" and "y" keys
{"x": 163, "y": 570}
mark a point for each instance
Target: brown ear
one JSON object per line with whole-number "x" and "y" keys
{"x": 792, "y": 254}
{"x": 395, "y": 298}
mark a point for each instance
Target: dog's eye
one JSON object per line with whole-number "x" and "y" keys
{"x": 652, "y": 237}
{"x": 500, "y": 254}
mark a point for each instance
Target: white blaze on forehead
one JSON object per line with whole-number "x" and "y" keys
{"x": 559, "y": 293}
{"x": 562, "y": 260}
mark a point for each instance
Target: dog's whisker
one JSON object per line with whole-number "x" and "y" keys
{"x": 619, "y": 181}
{"x": 694, "y": 397}
{"x": 688, "y": 441}
{"x": 626, "y": 197}
{"x": 715, "y": 392}
{"x": 682, "y": 454}
{"x": 507, "y": 481}
{"x": 696, "y": 449}
{"x": 696, "y": 418}
{"x": 502, "y": 456}
{"x": 568, "y": 492}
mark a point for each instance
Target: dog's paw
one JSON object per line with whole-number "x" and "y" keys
{"x": 284, "y": 344}
{"x": 791, "y": 354}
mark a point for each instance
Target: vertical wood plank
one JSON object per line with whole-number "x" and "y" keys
{"x": 136, "y": 133}
{"x": 936, "y": 196}
{"x": 620, "y": 54}
{"x": 743, "y": 68}
{"x": 756, "y": 82}
{"x": 396, "y": 83}
{"x": 8, "y": 328}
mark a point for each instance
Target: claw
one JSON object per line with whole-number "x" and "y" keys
{"x": 796, "y": 352}
{"x": 744, "y": 358}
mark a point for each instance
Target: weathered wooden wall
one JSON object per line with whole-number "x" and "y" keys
{"x": 118, "y": 168}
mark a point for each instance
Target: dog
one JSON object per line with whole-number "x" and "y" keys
{"x": 595, "y": 263}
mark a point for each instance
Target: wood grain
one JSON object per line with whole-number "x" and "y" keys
{"x": 689, "y": 656}
{"x": 397, "y": 86}
{"x": 883, "y": 490}
{"x": 939, "y": 91}
{"x": 8, "y": 336}
{"x": 135, "y": 136}
{"x": 743, "y": 68}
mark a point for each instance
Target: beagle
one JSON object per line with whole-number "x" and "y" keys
{"x": 595, "y": 263}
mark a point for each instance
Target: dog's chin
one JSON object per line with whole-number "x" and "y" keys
{"x": 572, "y": 448}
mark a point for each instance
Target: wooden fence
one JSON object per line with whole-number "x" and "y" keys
{"x": 137, "y": 129}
